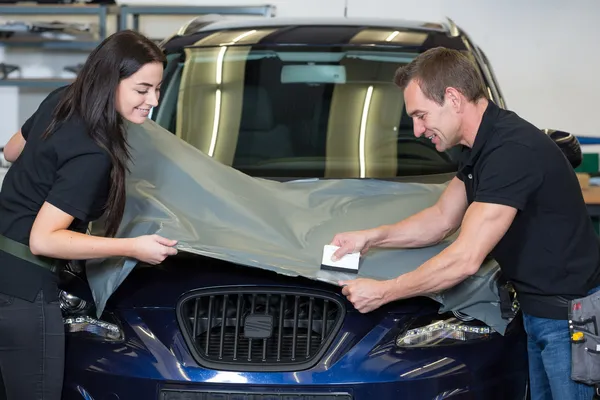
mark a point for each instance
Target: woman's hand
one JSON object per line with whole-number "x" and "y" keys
{"x": 153, "y": 249}
{"x": 51, "y": 237}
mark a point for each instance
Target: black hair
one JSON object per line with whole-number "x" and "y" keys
{"x": 92, "y": 98}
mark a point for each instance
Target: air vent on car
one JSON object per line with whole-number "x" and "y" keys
{"x": 246, "y": 329}
{"x": 187, "y": 394}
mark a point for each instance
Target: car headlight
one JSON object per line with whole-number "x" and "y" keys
{"x": 447, "y": 330}
{"x": 77, "y": 320}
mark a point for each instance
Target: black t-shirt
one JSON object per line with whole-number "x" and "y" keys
{"x": 551, "y": 252}
{"x": 68, "y": 170}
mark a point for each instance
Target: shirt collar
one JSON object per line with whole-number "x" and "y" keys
{"x": 484, "y": 132}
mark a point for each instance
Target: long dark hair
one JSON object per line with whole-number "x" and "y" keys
{"x": 92, "y": 98}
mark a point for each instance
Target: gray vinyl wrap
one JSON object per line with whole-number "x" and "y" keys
{"x": 213, "y": 210}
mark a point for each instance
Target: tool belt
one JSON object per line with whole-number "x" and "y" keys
{"x": 23, "y": 252}
{"x": 509, "y": 303}
{"x": 584, "y": 318}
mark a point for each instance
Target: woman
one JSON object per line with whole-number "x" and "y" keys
{"x": 69, "y": 168}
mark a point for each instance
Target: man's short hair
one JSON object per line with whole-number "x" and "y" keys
{"x": 439, "y": 68}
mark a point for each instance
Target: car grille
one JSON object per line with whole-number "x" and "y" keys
{"x": 259, "y": 329}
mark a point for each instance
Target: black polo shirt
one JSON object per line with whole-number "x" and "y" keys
{"x": 551, "y": 252}
{"x": 68, "y": 170}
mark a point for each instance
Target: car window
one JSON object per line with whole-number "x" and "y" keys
{"x": 298, "y": 112}
{"x": 488, "y": 65}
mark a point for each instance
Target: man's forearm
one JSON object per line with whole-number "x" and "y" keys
{"x": 484, "y": 226}
{"x": 441, "y": 272}
{"x": 422, "y": 229}
{"x": 429, "y": 226}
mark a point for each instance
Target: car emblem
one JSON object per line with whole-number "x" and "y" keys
{"x": 258, "y": 326}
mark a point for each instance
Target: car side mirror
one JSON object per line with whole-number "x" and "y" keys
{"x": 569, "y": 145}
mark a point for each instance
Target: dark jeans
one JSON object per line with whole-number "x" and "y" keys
{"x": 31, "y": 349}
{"x": 549, "y": 348}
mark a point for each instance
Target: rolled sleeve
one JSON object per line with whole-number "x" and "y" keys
{"x": 509, "y": 176}
{"x": 81, "y": 185}
{"x": 26, "y": 128}
{"x": 43, "y": 109}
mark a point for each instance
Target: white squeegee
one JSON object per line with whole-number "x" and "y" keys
{"x": 348, "y": 263}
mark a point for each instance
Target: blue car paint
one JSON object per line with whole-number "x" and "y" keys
{"x": 362, "y": 360}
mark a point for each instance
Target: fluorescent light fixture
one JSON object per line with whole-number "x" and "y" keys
{"x": 392, "y": 36}
{"x": 243, "y": 35}
{"x": 363, "y": 129}
{"x": 219, "y": 81}
{"x": 213, "y": 139}
{"x": 220, "y": 58}
{"x": 217, "y": 116}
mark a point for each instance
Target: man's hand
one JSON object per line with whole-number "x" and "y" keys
{"x": 365, "y": 294}
{"x": 351, "y": 242}
{"x": 483, "y": 227}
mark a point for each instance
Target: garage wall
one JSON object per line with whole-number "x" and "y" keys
{"x": 544, "y": 54}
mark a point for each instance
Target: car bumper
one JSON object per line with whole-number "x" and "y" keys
{"x": 94, "y": 387}
{"x": 156, "y": 364}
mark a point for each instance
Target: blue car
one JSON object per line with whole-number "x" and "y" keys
{"x": 289, "y": 99}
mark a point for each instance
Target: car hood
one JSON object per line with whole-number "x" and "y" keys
{"x": 213, "y": 210}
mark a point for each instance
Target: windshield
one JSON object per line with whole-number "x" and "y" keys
{"x": 298, "y": 112}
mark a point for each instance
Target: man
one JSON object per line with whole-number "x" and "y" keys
{"x": 515, "y": 196}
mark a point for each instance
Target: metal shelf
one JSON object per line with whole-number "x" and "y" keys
{"x": 44, "y": 83}
{"x": 136, "y": 11}
{"x": 101, "y": 10}
{"x": 50, "y": 44}
{"x": 122, "y": 12}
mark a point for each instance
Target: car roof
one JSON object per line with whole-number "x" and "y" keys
{"x": 233, "y": 23}
{"x": 419, "y": 35}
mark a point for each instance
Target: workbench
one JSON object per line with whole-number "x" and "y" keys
{"x": 591, "y": 195}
